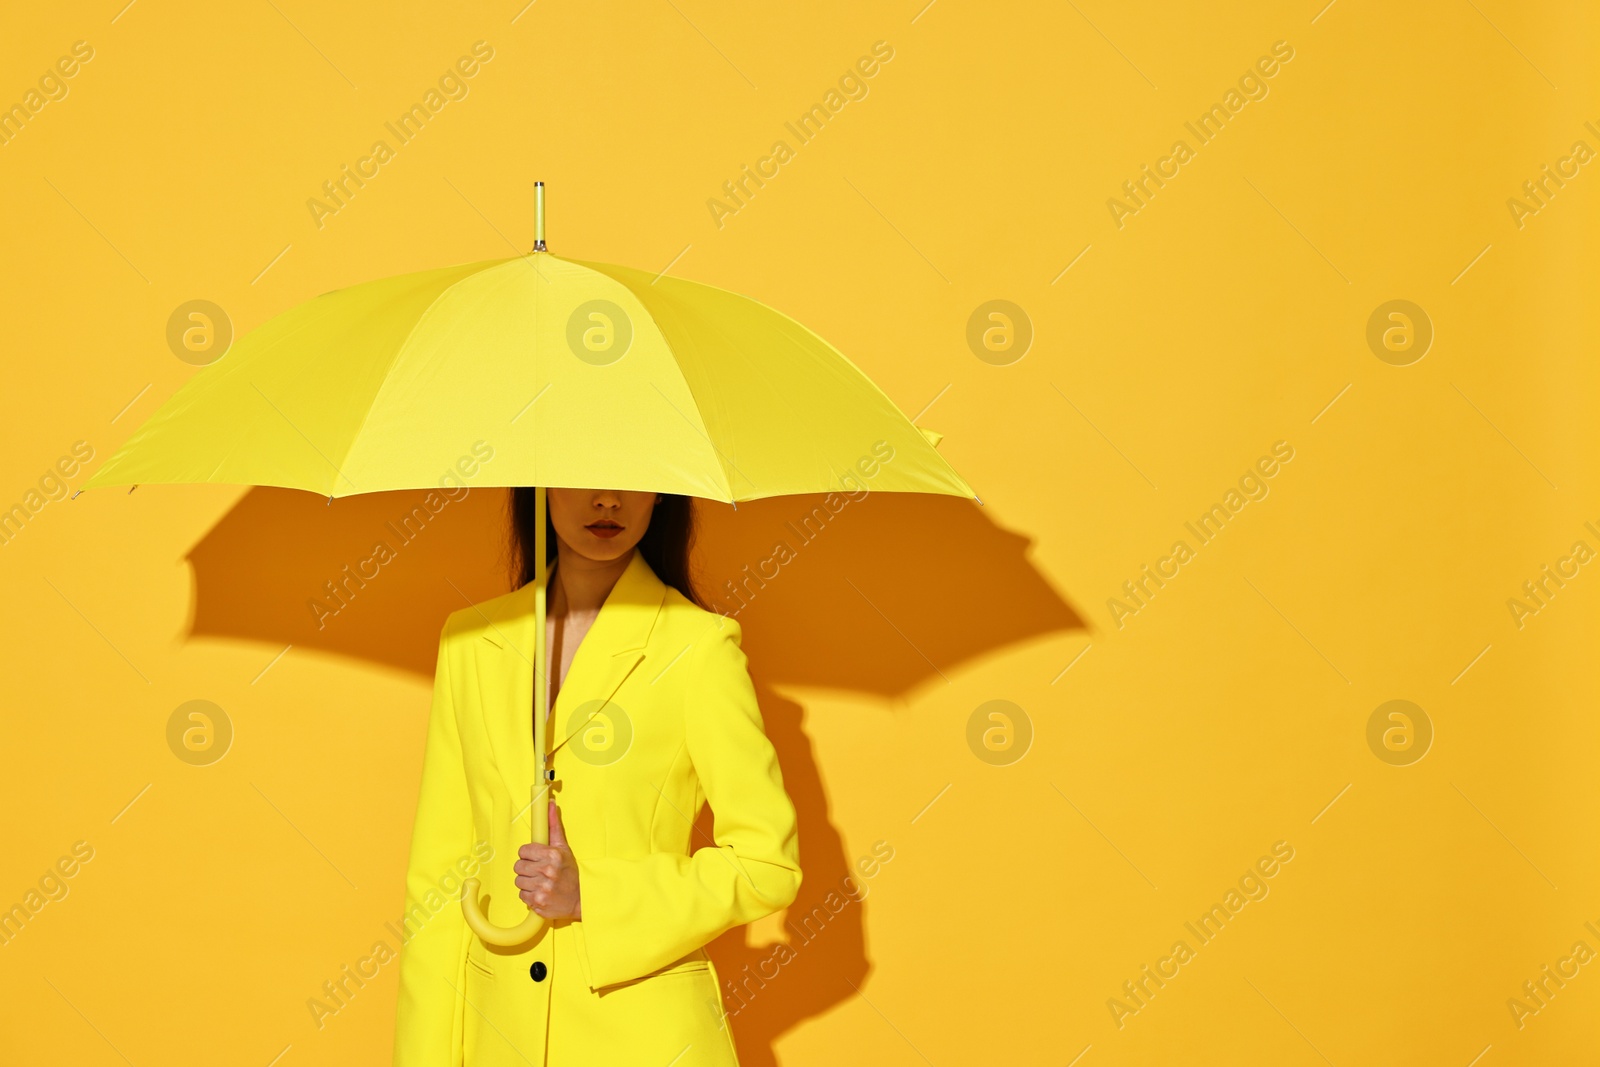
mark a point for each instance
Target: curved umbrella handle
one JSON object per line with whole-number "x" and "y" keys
{"x": 488, "y": 932}
{"x": 523, "y": 932}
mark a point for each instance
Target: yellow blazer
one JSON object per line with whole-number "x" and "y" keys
{"x": 657, "y": 717}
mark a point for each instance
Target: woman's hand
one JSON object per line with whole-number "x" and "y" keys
{"x": 547, "y": 875}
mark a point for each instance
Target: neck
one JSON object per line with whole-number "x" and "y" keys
{"x": 580, "y": 584}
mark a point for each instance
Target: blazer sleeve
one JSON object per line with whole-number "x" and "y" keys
{"x": 429, "y": 1013}
{"x": 640, "y": 914}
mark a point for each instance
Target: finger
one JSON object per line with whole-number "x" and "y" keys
{"x": 543, "y": 853}
{"x": 548, "y": 871}
{"x": 558, "y": 832}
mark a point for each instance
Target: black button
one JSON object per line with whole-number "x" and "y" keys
{"x": 550, "y": 775}
{"x": 538, "y": 970}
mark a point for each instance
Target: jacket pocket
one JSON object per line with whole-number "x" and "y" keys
{"x": 475, "y": 964}
{"x": 692, "y": 965}
{"x": 687, "y": 965}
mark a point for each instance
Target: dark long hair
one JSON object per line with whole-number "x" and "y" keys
{"x": 666, "y": 544}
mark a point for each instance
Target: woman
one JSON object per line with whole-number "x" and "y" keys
{"x": 652, "y": 715}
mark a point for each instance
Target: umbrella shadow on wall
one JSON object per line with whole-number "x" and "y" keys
{"x": 888, "y": 594}
{"x": 876, "y": 596}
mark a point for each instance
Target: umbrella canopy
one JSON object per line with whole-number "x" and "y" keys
{"x": 583, "y": 375}
{"x": 536, "y": 371}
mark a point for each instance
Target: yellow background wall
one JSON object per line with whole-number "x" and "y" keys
{"x": 1158, "y": 754}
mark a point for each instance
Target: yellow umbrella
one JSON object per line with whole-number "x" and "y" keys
{"x": 577, "y": 374}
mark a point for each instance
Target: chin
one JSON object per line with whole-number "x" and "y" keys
{"x": 604, "y": 551}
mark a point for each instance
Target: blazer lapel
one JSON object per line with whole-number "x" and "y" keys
{"x": 504, "y": 656}
{"x": 609, "y": 652}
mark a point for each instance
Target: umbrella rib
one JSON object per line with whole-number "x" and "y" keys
{"x": 638, "y": 294}
{"x": 711, "y": 325}
{"x": 690, "y": 389}
{"x": 941, "y": 476}
{"x": 337, "y": 469}
{"x": 400, "y": 350}
{"x": 727, "y": 483}
{"x": 849, "y": 374}
{"x": 863, "y": 378}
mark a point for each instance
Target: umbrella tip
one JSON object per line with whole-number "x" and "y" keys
{"x": 978, "y": 499}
